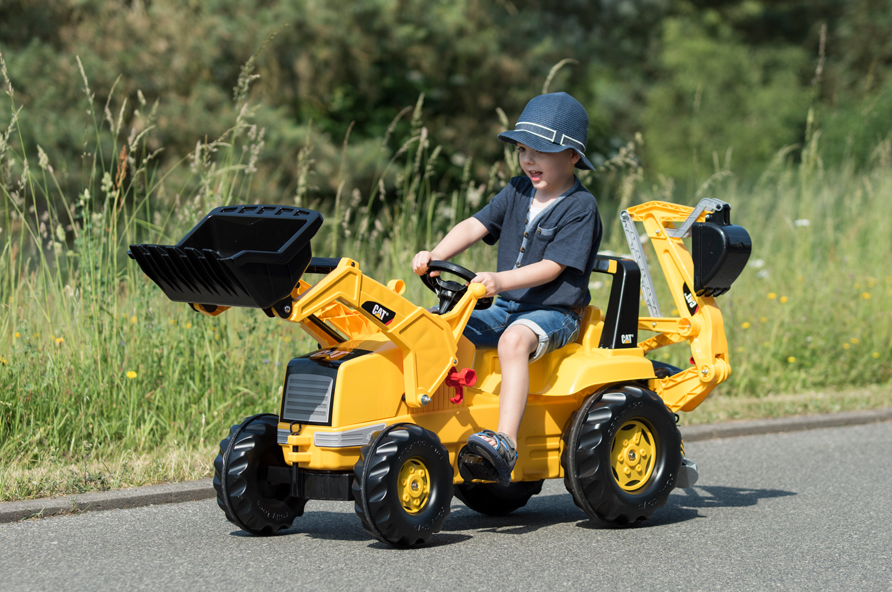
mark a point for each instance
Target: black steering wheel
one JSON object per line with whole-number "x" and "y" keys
{"x": 447, "y": 291}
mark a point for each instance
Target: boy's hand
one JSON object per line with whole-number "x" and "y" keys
{"x": 420, "y": 262}
{"x": 491, "y": 280}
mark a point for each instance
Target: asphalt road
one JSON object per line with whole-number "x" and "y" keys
{"x": 802, "y": 511}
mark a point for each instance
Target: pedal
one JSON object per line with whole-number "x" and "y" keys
{"x": 473, "y": 467}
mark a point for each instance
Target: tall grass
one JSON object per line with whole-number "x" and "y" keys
{"x": 94, "y": 360}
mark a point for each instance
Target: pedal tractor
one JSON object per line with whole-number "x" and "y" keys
{"x": 380, "y": 413}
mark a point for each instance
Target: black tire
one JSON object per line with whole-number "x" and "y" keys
{"x": 377, "y": 487}
{"x": 248, "y": 500}
{"x": 493, "y": 499}
{"x": 595, "y": 447}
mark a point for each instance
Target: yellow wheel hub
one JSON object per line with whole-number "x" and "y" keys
{"x": 633, "y": 455}
{"x": 414, "y": 486}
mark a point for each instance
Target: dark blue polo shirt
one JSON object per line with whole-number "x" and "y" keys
{"x": 568, "y": 232}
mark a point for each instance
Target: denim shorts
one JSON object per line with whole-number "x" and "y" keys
{"x": 555, "y": 327}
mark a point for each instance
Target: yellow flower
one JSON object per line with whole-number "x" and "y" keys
{"x": 674, "y": 312}
{"x": 745, "y": 325}
{"x": 17, "y": 334}
{"x": 3, "y": 361}
{"x": 857, "y": 286}
{"x": 37, "y": 336}
{"x": 800, "y": 279}
{"x": 875, "y": 355}
{"x": 173, "y": 321}
{"x": 791, "y": 359}
{"x": 772, "y": 295}
{"x": 131, "y": 374}
{"x": 59, "y": 340}
{"x": 763, "y": 319}
{"x": 133, "y": 319}
{"x": 854, "y": 341}
{"x": 783, "y": 299}
{"x": 846, "y": 346}
{"x": 865, "y": 295}
{"x": 741, "y": 349}
{"x": 766, "y": 344}
{"x": 188, "y": 325}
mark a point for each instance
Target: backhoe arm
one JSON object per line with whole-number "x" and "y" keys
{"x": 700, "y": 321}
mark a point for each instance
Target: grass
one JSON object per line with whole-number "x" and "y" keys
{"x": 105, "y": 383}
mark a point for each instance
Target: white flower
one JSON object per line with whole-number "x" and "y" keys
{"x": 801, "y": 222}
{"x": 758, "y": 263}
{"x": 595, "y": 285}
{"x": 762, "y": 274}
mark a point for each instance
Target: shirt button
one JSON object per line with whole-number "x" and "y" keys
{"x": 539, "y": 231}
{"x": 526, "y": 234}
{"x": 522, "y": 250}
{"x": 527, "y": 221}
{"x": 517, "y": 264}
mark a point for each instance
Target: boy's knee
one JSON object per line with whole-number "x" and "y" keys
{"x": 518, "y": 340}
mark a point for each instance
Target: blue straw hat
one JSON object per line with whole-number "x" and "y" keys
{"x": 552, "y": 123}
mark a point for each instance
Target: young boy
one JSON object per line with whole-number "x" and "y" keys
{"x": 550, "y": 231}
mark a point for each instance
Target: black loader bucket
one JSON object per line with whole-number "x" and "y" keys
{"x": 249, "y": 256}
{"x": 720, "y": 252}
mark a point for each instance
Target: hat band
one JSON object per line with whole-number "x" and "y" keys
{"x": 546, "y": 133}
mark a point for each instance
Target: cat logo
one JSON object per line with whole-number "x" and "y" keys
{"x": 627, "y": 338}
{"x": 689, "y": 300}
{"x": 382, "y": 313}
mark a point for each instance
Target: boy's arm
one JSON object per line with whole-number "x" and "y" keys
{"x": 463, "y": 235}
{"x": 528, "y": 276}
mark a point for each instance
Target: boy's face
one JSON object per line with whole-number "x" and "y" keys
{"x": 549, "y": 171}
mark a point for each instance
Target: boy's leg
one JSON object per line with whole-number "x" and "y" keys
{"x": 515, "y": 347}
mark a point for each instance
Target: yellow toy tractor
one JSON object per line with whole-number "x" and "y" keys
{"x": 380, "y": 413}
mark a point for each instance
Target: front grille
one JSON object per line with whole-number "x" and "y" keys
{"x": 307, "y": 398}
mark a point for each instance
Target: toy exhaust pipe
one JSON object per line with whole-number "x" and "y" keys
{"x": 248, "y": 256}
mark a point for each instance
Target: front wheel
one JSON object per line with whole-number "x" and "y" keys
{"x": 622, "y": 453}
{"x": 244, "y": 492}
{"x": 403, "y": 485}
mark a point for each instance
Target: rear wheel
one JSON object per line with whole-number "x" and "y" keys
{"x": 403, "y": 485}
{"x": 244, "y": 493}
{"x": 493, "y": 499}
{"x": 622, "y": 453}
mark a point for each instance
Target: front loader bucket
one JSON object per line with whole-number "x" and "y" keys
{"x": 249, "y": 256}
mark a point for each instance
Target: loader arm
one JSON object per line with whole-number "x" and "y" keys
{"x": 428, "y": 342}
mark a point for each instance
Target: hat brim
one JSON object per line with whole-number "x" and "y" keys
{"x": 543, "y": 145}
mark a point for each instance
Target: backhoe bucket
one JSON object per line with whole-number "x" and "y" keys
{"x": 249, "y": 256}
{"x": 720, "y": 252}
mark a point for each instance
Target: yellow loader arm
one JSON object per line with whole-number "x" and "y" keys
{"x": 428, "y": 342}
